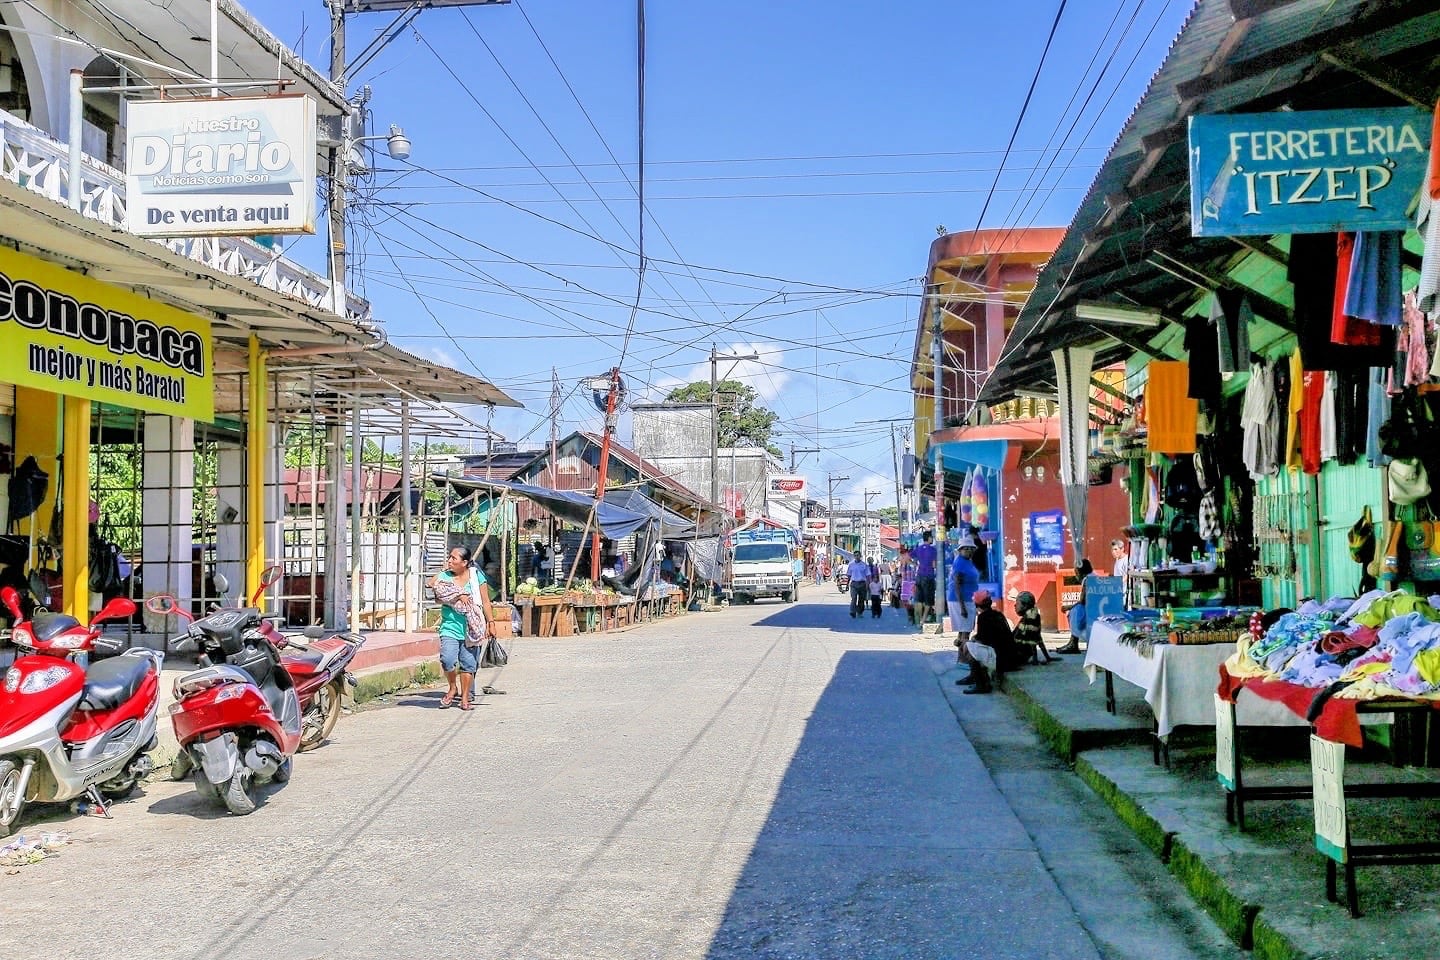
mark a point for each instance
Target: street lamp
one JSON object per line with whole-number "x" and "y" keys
{"x": 396, "y": 144}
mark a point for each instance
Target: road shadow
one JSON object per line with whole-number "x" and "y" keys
{"x": 887, "y": 839}
{"x": 836, "y": 616}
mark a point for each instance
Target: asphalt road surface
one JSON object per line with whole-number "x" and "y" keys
{"x": 768, "y": 781}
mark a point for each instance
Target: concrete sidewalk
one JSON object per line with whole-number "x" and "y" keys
{"x": 1266, "y": 886}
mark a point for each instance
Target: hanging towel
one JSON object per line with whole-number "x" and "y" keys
{"x": 1170, "y": 411}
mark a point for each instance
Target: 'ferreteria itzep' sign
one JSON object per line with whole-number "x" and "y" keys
{"x": 233, "y": 166}
{"x": 1305, "y": 172}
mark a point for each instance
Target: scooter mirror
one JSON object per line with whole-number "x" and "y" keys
{"x": 163, "y": 604}
{"x": 315, "y": 632}
{"x": 222, "y": 583}
{"x": 268, "y": 578}
{"x": 11, "y": 599}
{"x": 117, "y": 608}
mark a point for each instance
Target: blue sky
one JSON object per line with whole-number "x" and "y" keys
{"x": 799, "y": 158}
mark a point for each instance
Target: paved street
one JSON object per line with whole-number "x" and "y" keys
{"x": 766, "y": 781}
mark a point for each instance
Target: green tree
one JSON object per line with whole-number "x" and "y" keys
{"x": 742, "y": 422}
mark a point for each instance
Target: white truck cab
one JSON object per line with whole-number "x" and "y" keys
{"x": 763, "y": 563}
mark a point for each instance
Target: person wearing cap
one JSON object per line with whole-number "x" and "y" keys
{"x": 1028, "y": 634}
{"x": 964, "y": 581}
{"x": 993, "y": 649}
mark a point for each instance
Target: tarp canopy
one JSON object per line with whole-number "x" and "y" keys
{"x": 568, "y": 505}
{"x": 672, "y": 525}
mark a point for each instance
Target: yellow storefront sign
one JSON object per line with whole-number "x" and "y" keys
{"x": 66, "y": 333}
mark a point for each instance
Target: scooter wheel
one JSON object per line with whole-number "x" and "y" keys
{"x": 240, "y": 791}
{"x": 319, "y": 721}
{"x": 208, "y": 791}
{"x": 11, "y": 802}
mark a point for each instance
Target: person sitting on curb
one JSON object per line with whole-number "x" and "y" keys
{"x": 993, "y": 650}
{"x": 1076, "y": 613}
{"x": 1028, "y": 633}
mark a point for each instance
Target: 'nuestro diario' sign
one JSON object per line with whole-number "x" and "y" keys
{"x": 229, "y": 166}
{"x": 1315, "y": 171}
{"x": 66, "y": 333}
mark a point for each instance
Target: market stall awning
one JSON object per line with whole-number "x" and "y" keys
{"x": 1130, "y": 242}
{"x": 671, "y": 523}
{"x": 568, "y": 505}
{"x": 961, "y": 455}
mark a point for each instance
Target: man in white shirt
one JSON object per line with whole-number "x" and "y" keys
{"x": 859, "y": 574}
{"x": 1120, "y": 551}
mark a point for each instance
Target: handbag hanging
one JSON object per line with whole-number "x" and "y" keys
{"x": 1409, "y": 481}
{"x": 495, "y": 655}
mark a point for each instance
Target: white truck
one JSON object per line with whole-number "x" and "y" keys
{"x": 765, "y": 563}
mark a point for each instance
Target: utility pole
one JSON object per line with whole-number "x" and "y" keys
{"x": 714, "y": 433}
{"x": 794, "y": 451}
{"x": 715, "y": 417}
{"x": 830, "y": 481}
{"x": 895, "y": 458}
{"x": 937, "y": 351}
{"x": 866, "y": 538}
{"x": 610, "y": 400}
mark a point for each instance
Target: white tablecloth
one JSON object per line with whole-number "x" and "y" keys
{"x": 1179, "y": 680}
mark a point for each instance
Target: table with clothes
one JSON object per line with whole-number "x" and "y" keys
{"x": 1178, "y": 678}
{"x": 1338, "y": 664}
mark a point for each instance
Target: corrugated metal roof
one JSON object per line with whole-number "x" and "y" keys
{"x": 1284, "y": 58}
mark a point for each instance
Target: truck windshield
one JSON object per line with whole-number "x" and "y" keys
{"x": 755, "y": 552}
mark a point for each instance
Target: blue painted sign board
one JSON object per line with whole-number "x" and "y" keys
{"x": 1103, "y": 596}
{"x": 1315, "y": 171}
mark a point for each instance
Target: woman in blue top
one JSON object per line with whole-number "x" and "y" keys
{"x": 465, "y": 617}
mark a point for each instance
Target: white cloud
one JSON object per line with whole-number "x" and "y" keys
{"x": 761, "y": 375}
{"x": 852, "y": 492}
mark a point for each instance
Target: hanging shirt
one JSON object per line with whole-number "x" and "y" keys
{"x": 1231, "y": 315}
{"x": 1204, "y": 361}
{"x": 1313, "y": 271}
{"x": 1374, "y": 289}
{"x": 1414, "y": 345}
{"x": 1311, "y": 396}
{"x": 1293, "y": 459}
{"x": 1169, "y": 408}
{"x": 1427, "y": 222}
{"x": 1379, "y": 412}
{"x": 1345, "y": 328}
{"x": 1329, "y": 450}
{"x": 1260, "y": 423}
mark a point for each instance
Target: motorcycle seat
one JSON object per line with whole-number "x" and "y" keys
{"x": 110, "y": 683}
{"x": 48, "y": 625}
{"x": 304, "y": 661}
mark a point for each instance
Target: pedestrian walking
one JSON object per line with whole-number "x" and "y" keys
{"x": 465, "y": 618}
{"x": 858, "y": 570}
{"x": 887, "y": 581}
{"x": 925, "y": 560}
{"x": 872, "y": 584}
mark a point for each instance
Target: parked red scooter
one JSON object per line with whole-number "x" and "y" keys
{"x": 318, "y": 668}
{"x": 237, "y": 718}
{"x": 68, "y": 731}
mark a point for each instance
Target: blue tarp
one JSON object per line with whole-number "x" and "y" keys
{"x": 569, "y": 505}
{"x": 672, "y": 525}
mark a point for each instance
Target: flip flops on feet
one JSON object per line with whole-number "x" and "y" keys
{"x": 447, "y": 701}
